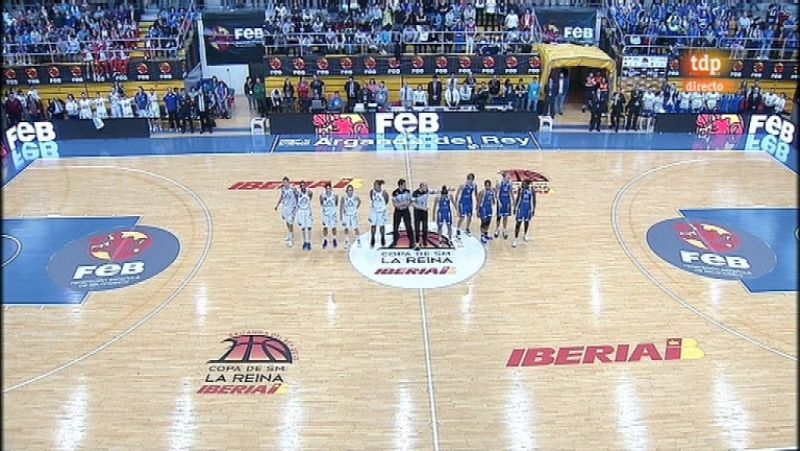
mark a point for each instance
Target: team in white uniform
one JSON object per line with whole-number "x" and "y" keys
{"x": 100, "y": 110}
{"x": 288, "y": 203}
{"x": 304, "y": 217}
{"x": 378, "y": 216}
{"x": 348, "y": 210}
{"x": 85, "y": 107}
{"x": 330, "y": 203}
{"x": 154, "y": 111}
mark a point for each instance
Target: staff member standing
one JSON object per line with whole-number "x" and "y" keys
{"x": 401, "y": 198}
{"x": 596, "y": 109}
{"x": 420, "y": 197}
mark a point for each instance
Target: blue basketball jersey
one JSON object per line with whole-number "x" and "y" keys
{"x": 504, "y": 199}
{"x": 444, "y": 216}
{"x": 526, "y": 205}
{"x": 465, "y": 201}
{"x": 486, "y": 204}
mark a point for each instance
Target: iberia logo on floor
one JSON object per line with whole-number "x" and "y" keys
{"x": 439, "y": 264}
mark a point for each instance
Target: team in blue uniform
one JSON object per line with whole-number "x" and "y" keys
{"x": 466, "y": 194}
{"x": 486, "y": 202}
{"x": 505, "y": 204}
{"x": 526, "y": 204}
{"x": 443, "y": 213}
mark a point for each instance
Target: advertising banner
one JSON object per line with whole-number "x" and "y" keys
{"x": 357, "y": 125}
{"x": 529, "y": 64}
{"x": 233, "y": 37}
{"x": 645, "y": 66}
{"x": 574, "y": 25}
{"x": 693, "y": 63}
{"x": 70, "y": 73}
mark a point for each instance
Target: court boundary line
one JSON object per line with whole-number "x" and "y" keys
{"x": 157, "y": 309}
{"x": 667, "y": 291}
{"x": 425, "y": 335}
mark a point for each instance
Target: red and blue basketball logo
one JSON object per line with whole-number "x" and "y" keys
{"x": 114, "y": 259}
{"x": 711, "y": 250}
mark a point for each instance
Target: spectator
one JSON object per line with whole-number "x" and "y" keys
{"x": 482, "y": 96}
{"x": 171, "y": 104}
{"x": 365, "y": 96}
{"x": 351, "y": 89}
{"x": 451, "y": 96}
{"x": 520, "y": 91}
{"x": 288, "y": 96}
{"x": 382, "y": 97}
{"x": 318, "y": 87}
{"x": 260, "y": 94}
{"x": 494, "y": 90}
{"x": 71, "y": 107}
{"x": 406, "y": 96}
{"x": 533, "y": 95}
{"x": 303, "y": 94}
{"x": 248, "y": 92}
{"x": 13, "y": 107}
{"x": 435, "y": 91}
{"x": 336, "y": 105}
{"x": 420, "y": 97}
{"x": 275, "y": 100}
{"x": 56, "y": 109}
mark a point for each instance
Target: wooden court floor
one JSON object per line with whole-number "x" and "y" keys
{"x": 376, "y": 367}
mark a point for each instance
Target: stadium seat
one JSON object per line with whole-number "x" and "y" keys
{"x": 546, "y": 121}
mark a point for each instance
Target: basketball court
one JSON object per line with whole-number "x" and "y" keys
{"x": 605, "y": 331}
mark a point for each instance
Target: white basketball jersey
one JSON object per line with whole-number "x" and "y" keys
{"x": 329, "y": 204}
{"x": 350, "y": 205}
{"x": 289, "y": 197}
{"x": 304, "y": 200}
{"x": 378, "y": 202}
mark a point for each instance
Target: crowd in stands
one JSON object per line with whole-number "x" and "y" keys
{"x": 741, "y": 27}
{"x": 397, "y": 27}
{"x": 314, "y": 96}
{"x": 210, "y": 100}
{"x": 86, "y": 33}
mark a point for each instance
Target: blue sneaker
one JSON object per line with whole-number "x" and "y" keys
{"x": 335, "y": 243}
{"x": 484, "y": 240}
{"x": 324, "y": 244}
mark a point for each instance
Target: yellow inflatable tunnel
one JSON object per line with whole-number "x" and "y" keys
{"x": 557, "y": 56}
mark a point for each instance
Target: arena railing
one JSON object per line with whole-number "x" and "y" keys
{"x": 14, "y": 57}
{"x": 748, "y": 48}
{"x": 438, "y": 42}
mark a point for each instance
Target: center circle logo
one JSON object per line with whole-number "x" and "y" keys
{"x": 711, "y": 250}
{"x": 440, "y": 264}
{"x": 113, "y": 259}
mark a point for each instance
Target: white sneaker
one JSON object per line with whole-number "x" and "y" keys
{"x": 514, "y": 243}
{"x": 287, "y": 237}
{"x": 526, "y": 238}
{"x": 346, "y": 244}
{"x": 289, "y": 243}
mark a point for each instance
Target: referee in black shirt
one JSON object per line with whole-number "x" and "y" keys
{"x": 401, "y": 198}
{"x": 420, "y": 197}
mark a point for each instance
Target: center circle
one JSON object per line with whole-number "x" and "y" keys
{"x": 439, "y": 264}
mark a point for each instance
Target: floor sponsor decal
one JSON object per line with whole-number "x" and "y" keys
{"x": 438, "y": 265}
{"x": 675, "y": 349}
{"x": 711, "y": 250}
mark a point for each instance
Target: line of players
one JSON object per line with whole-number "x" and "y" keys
{"x": 295, "y": 204}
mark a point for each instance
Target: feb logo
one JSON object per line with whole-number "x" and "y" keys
{"x": 437, "y": 264}
{"x": 488, "y": 62}
{"x": 370, "y": 63}
{"x": 298, "y": 64}
{"x": 675, "y": 349}
{"x": 512, "y": 62}
{"x": 336, "y": 125}
{"x": 54, "y": 72}
{"x": 76, "y": 72}
{"x": 346, "y": 63}
{"x": 31, "y": 73}
{"x": 142, "y": 69}
{"x": 417, "y": 62}
{"x": 464, "y": 62}
{"x": 441, "y": 62}
{"x": 275, "y": 63}
{"x": 10, "y": 74}
{"x": 394, "y": 63}
{"x": 711, "y": 250}
{"x": 165, "y": 68}
{"x": 323, "y": 64}
{"x": 535, "y": 62}
{"x": 115, "y": 259}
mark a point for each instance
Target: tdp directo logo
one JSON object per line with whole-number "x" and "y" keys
{"x": 711, "y": 250}
{"x": 277, "y": 184}
{"x": 340, "y": 125}
{"x": 675, "y": 349}
{"x": 253, "y": 364}
{"x": 113, "y": 259}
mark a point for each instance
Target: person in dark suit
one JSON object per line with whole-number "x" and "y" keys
{"x": 366, "y": 96}
{"x": 435, "y": 91}
{"x": 634, "y": 109}
{"x": 552, "y": 93}
{"x": 596, "y": 110}
{"x": 617, "y": 108}
{"x": 186, "y": 111}
{"x": 754, "y": 100}
{"x": 352, "y": 89}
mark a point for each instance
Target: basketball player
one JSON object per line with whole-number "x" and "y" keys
{"x": 100, "y": 110}
{"x": 304, "y": 218}
{"x": 465, "y": 196}
{"x": 443, "y": 213}
{"x": 401, "y": 199}
{"x": 288, "y": 199}
{"x": 505, "y": 203}
{"x": 348, "y": 211}
{"x": 526, "y": 204}
{"x": 330, "y": 203}
{"x": 486, "y": 203}
{"x": 377, "y": 212}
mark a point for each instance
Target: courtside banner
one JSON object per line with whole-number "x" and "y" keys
{"x": 364, "y": 125}
{"x": 71, "y": 73}
{"x": 233, "y": 37}
{"x": 574, "y": 25}
{"x": 694, "y": 63}
{"x": 442, "y": 65}
{"x": 395, "y": 142}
